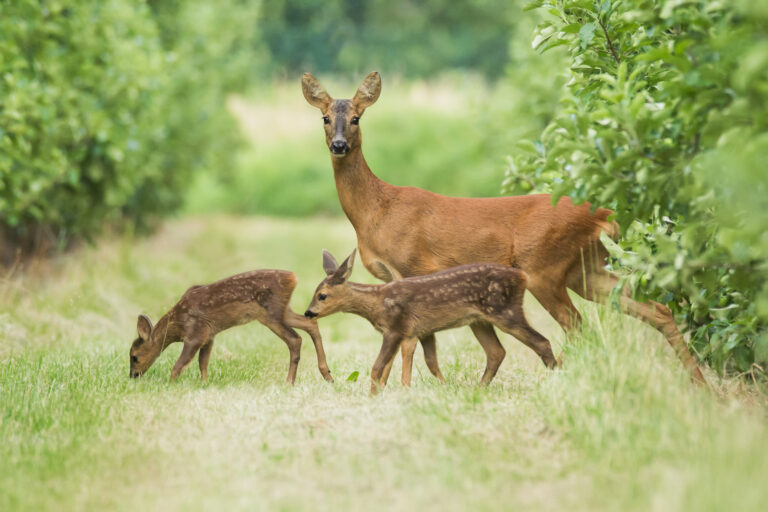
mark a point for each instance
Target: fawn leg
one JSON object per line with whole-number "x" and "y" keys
{"x": 494, "y": 352}
{"x": 514, "y": 323}
{"x": 386, "y": 354}
{"x": 407, "y": 348}
{"x": 187, "y": 354}
{"x": 387, "y": 370}
{"x": 202, "y": 359}
{"x": 310, "y": 326}
{"x": 429, "y": 345}
{"x": 292, "y": 339}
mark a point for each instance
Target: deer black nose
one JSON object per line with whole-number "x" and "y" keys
{"x": 309, "y": 314}
{"x": 339, "y": 147}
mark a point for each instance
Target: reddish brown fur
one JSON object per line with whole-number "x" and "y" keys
{"x": 204, "y": 311}
{"x": 478, "y": 295}
{"x": 407, "y": 231}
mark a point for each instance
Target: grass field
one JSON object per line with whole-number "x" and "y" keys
{"x": 618, "y": 428}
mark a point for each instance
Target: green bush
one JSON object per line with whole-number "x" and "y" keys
{"x": 665, "y": 120}
{"x": 107, "y": 107}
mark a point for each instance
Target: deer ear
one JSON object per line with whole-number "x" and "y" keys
{"x": 329, "y": 263}
{"x": 368, "y": 92}
{"x": 314, "y": 92}
{"x": 144, "y": 326}
{"x": 345, "y": 269}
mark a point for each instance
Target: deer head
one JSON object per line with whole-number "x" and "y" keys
{"x": 144, "y": 350}
{"x": 342, "y": 117}
{"x": 332, "y": 292}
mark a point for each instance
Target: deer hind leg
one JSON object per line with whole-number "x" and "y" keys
{"x": 553, "y": 296}
{"x": 429, "y": 344}
{"x": 204, "y": 357}
{"x": 293, "y": 340}
{"x": 494, "y": 352}
{"x": 386, "y": 355}
{"x": 293, "y": 319}
{"x": 597, "y": 286}
{"x": 514, "y": 323}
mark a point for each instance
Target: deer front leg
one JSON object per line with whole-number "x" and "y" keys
{"x": 386, "y": 354}
{"x": 204, "y": 357}
{"x": 187, "y": 354}
{"x": 407, "y": 348}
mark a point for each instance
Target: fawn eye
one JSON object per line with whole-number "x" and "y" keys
{"x": 326, "y": 120}
{"x": 134, "y": 359}
{"x": 355, "y": 120}
{"x": 322, "y": 296}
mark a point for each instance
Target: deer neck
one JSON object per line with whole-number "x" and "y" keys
{"x": 364, "y": 300}
{"x": 164, "y": 333}
{"x": 358, "y": 188}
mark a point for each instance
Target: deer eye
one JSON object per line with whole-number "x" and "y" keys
{"x": 134, "y": 359}
{"x": 355, "y": 120}
{"x": 322, "y": 296}
{"x": 326, "y": 120}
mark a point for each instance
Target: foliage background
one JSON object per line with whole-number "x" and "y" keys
{"x": 665, "y": 120}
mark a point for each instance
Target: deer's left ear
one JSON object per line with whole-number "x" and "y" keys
{"x": 314, "y": 92}
{"x": 368, "y": 92}
{"x": 345, "y": 269}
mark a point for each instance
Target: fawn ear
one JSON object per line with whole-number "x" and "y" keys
{"x": 368, "y": 92}
{"x": 329, "y": 263}
{"x": 144, "y": 326}
{"x": 314, "y": 92}
{"x": 345, "y": 269}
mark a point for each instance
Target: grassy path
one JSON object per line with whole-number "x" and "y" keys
{"x": 619, "y": 428}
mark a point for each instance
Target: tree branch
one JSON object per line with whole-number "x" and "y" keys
{"x": 608, "y": 39}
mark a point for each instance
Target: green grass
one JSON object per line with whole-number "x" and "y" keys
{"x": 618, "y": 428}
{"x": 449, "y": 136}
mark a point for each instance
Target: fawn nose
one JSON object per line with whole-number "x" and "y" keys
{"x": 309, "y": 314}
{"x": 339, "y": 147}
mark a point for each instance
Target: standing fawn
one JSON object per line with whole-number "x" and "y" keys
{"x": 408, "y": 231}
{"x": 417, "y": 307}
{"x": 204, "y": 311}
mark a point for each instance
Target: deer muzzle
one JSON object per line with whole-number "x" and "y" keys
{"x": 339, "y": 147}
{"x": 310, "y": 314}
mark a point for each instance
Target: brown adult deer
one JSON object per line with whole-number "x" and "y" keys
{"x": 407, "y": 231}
{"x": 204, "y": 311}
{"x": 417, "y": 307}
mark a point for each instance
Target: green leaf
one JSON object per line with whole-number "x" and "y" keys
{"x": 586, "y": 34}
{"x": 353, "y": 376}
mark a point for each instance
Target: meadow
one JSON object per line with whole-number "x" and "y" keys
{"x": 619, "y": 427}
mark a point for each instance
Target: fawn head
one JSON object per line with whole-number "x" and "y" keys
{"x": 143, "y": 351}
{"x": 341, "y": 118}
{"x": 330, "y": 294}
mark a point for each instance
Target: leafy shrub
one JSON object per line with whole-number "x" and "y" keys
{"x": 107, "y": 107}
{"x": 665, "y": 120}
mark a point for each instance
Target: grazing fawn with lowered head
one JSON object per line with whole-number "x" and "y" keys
{"x": 480, "y": 294}
{"x": 204, "y": 311}
{"x": 408, "y": 231}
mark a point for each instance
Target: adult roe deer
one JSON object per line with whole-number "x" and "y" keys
{"x": 407, "y": 231}
{"x": 204, "y": 311}
{"x": 417, "y": 307}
